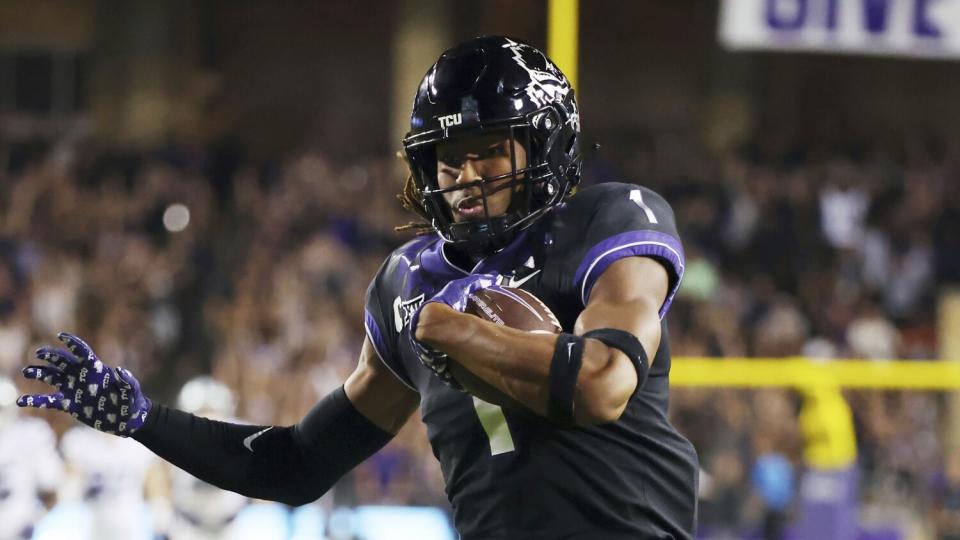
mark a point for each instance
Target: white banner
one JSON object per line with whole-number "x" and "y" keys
{"x": 917, "y": 28}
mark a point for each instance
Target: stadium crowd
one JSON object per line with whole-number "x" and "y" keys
{"x": 790, "y": 251}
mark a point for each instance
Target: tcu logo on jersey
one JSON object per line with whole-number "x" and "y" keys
{"x": 403, "y": 310}
{"x": 450, "y": 120}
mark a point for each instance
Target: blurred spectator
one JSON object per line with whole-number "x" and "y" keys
{"x": 843, "y": 206}
{"x": 944, "y": 513}
{"x": 872, "y": 335}
{"x": 773, "y": 483}
{"x": 726, "y": 497}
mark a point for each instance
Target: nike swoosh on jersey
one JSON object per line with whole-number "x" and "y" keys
{"x": 514, "y": 282}
{"x": 248, "y": 441}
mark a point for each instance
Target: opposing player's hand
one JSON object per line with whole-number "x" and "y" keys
{"x": 455, "y": 294}
{"x": 104, "y": 398}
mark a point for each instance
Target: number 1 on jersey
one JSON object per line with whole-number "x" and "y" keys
{"x": 637, "y": 197}
{"x": 495, "y": 425}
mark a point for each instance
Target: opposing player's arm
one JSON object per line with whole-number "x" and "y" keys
{"x": 626, "y": 296}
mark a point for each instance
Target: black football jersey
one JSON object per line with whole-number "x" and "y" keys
{"x": 514, "y": 475}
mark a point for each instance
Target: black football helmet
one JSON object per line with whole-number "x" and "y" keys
{"x": 490, "y": 84}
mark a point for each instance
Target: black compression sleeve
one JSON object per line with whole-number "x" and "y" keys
{"x": 293, "y": 465}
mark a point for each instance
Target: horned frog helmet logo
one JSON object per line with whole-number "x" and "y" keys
{"x": 546, "y": 85}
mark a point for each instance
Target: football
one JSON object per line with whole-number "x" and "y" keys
{"x": 511, "y": 307}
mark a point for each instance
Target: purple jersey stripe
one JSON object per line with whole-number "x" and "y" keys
{"x": 380, "y": 346}
{"x": 631, "y": 244}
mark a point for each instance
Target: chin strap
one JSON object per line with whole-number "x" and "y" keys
{"x": 479, "y": 237}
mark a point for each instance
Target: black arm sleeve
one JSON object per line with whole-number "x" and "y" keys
{"x": 294, "y": 465}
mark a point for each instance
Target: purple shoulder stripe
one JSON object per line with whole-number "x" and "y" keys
{"x": 380, "y": 346}
{"x": 631, "y": 244}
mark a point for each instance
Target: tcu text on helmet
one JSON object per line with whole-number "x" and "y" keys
{"x": 450, "y": 120}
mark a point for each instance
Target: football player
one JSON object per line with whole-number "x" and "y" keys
{"x": 30, "y": 467}
{"x": 201, "y": 511}
{"x": 109, "y": 475}
{"x": 494, "y": 153}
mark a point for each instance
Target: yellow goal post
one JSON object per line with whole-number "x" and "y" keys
{"x": 798, "y": 372}
{"x": 825, "y": 417}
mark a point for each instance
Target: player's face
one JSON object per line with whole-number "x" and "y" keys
{"x": 468, "y": 159}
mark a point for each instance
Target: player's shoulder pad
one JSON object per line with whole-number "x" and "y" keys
{"x": 605, "y": 189}
{"x": 588, "y": 197}
{"x": 402, "y": 258}
{"x": 618, "y": 198}
{"x": 604, "y": 192}
{"x": 616, "y": 220}
{"x": 380, "y": 311}
{"x": 384, "y": 284}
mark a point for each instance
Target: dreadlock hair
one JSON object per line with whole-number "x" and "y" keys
{"x": 411, "y": 198}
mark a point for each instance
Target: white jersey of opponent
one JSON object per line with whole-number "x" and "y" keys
{"x": 29, "y": 464}
{"x": 111, "y": 472}
{"x": 202, "y": 511}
